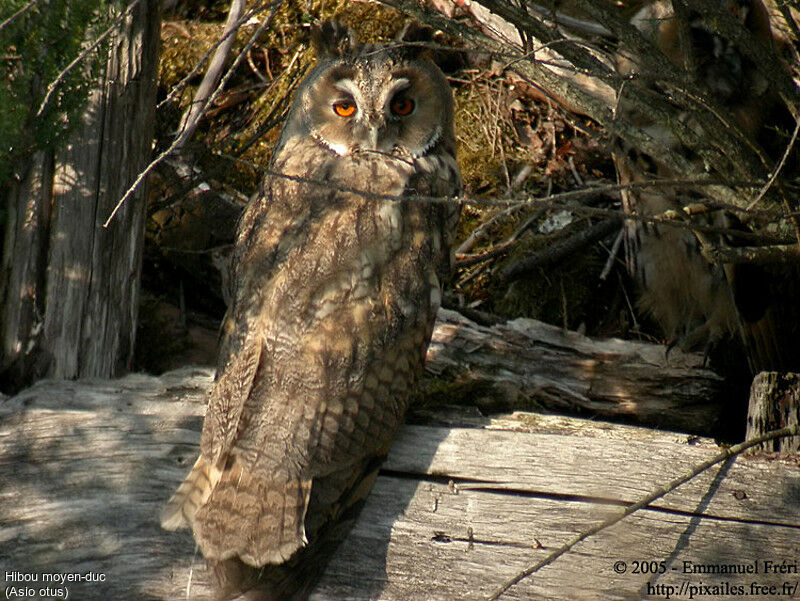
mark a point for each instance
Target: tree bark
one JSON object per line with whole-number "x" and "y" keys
{"x": 69, "y": 287}
{"x": 774, "y": 404}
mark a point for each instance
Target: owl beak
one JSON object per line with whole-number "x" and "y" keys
{"x": 374, "y": 128}
{"x": 372, "y": 136}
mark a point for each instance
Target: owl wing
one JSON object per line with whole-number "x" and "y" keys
{"x": 330, "y": 325}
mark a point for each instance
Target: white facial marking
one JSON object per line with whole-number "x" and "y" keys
{"x": 434, "y": 137}
{"x": 401, "y": 83}
{"x": 349, "y": 87}
{"x": 340, "y": 149}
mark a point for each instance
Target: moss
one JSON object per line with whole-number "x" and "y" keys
{"x": 373, "y": 22}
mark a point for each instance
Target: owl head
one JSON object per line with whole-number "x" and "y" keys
{"x": 361, "y": 98}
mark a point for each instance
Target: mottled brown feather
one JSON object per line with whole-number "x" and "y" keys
{"x": 337, "y": 276}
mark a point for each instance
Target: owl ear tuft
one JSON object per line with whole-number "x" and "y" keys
{"x": 416, "y": 32}
{"x": 448, "y": 61}
{"x": 334, "y": 40}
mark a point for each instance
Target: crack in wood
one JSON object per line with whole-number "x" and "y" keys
{"x": 483, "y": 486}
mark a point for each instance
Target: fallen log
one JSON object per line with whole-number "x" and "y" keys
{"x": 525, "y": 363}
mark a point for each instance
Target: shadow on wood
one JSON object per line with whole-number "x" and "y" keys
{"x": 86, "y": 466}
{"x": 89, "y": 466}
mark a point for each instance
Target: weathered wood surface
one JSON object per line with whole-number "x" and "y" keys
{"x": 69, "y": 288}
{"x": 86, "y": 465}
{"x": 774, "y": 404}
{"x": 528, "y": 361}
{"x": 24, "y": 260}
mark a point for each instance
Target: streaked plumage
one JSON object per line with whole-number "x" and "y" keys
{"x": 338, "y": 273}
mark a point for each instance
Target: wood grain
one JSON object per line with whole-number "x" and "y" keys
{"x": 70, "y": 296}
{"x": 526, "y": 361}
{"x": 86, "y": 466}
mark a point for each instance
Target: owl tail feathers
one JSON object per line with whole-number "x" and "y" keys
{"x": 333, "y": 508}
{"x": 236, "y": 580}
{"x": 255, "y": 519}
{"x": 193, "y": 492}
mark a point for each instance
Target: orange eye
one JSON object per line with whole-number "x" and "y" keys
{"x": 345, "y": 108}
{"x": 402, "y": 106}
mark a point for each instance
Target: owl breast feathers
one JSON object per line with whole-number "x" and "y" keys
{"x": 337, "y": 270}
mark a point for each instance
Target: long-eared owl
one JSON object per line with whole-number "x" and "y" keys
{"x": 697, "y": 303}
{"x": 337, "y": 271}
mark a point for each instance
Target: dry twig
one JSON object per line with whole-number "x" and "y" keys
{"x": 191, "y": 117}
{"x": 644, "y": 502}
{"x": 18, "y": 14}
{"x": 180, "y": 140}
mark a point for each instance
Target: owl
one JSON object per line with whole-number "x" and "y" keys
{"x": 338, "y": 270}
{"x": 696, "y": 303}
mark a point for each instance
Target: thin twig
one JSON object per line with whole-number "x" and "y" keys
{"x": 570, "y": 200}
{"x": 777, "y": 169}
{"x": 503, "y": 247}
{"x": 179, "y": 140}
{"x": 561, "y": 199}
{"x": 61, "y": 76}
{"x": 255, "y": 70}
{"x": 558, "y": 252}
{"x": 18, "y": 14}
{"x": 272, "y": 119}
{"x": 612, "y": 255}
{"x": 559, "y": 18}
{"x": 644, "y": 502}
{"x": 480, "y": 231}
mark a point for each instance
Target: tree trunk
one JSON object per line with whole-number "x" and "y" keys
{"x": 774, "y": 404}
{"x": 69, "y": 287}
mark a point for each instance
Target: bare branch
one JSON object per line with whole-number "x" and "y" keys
{"x": 569, "y": 22}
{"x": 178, "y": 140}
{"x": 558, "y": 252}
{"x": 481, "y": 231}
{"x": 192, "y": 116}
{"x": 612, "y": 254}
{"x": 641, "y": 504}
{"x": 777, "y": 169}
{"x": 759, "y": 255}
{"x": 61, "y": 76}
{"x": 18, "y": 14}
{"x": 176, "y": 89}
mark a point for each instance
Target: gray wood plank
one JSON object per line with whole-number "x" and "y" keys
{"x": 85, "y": 467}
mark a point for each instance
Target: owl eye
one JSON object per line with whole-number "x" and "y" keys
{"x": 402, "y": 106}
{"x": 344, "y": 108}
